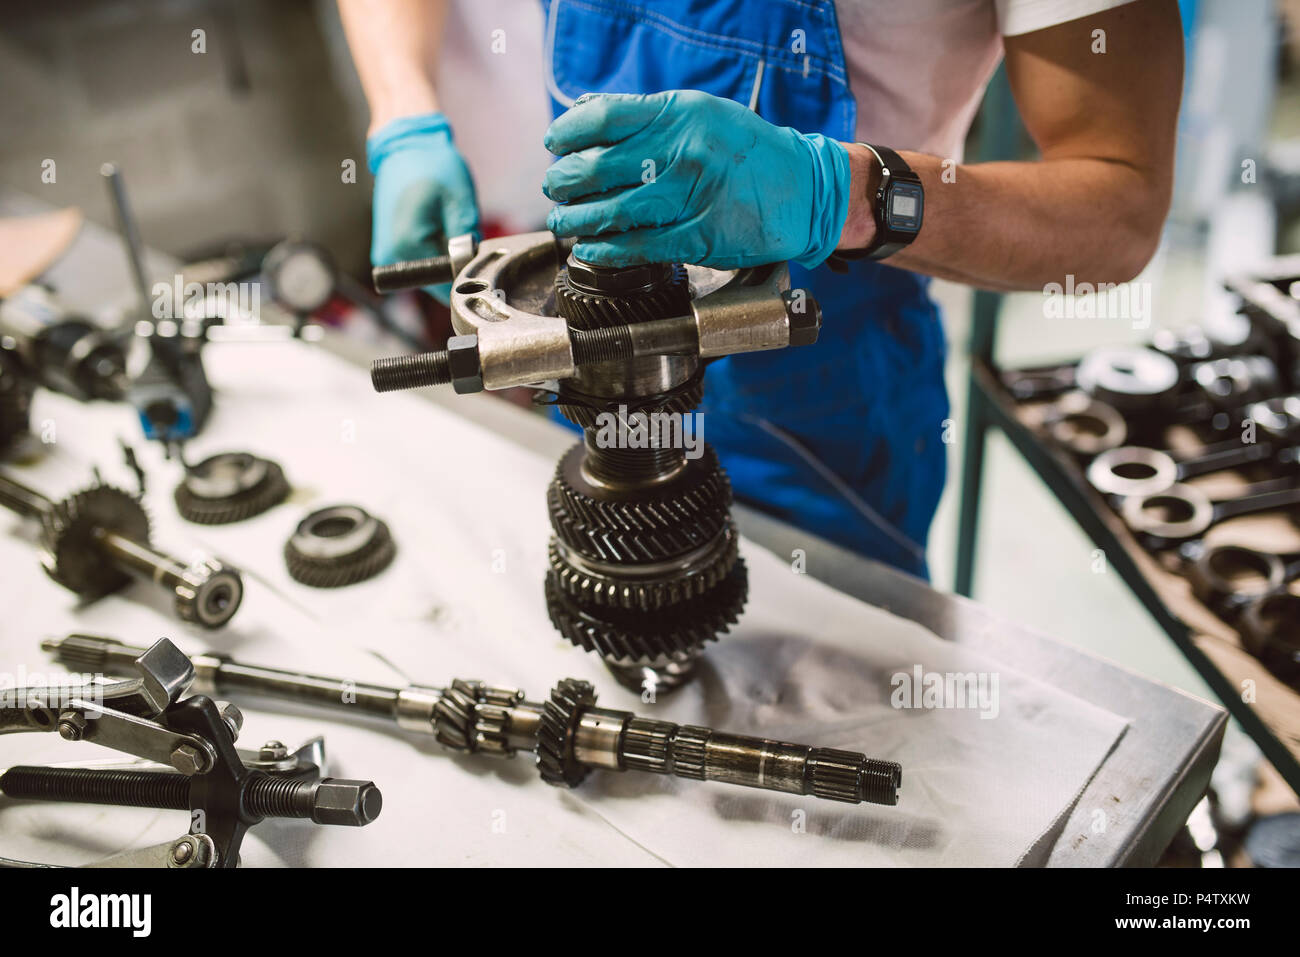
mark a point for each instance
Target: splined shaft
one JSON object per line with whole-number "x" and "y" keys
{"x": 569, "y": 734}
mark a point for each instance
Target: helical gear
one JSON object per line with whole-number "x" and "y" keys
{"x": 675, "y": 633}
{"x": 587, "y": 585}
{"x": 333, "y": 561}
{"x": 556, "y": 730}
{"x": 473, "y": 717}
{"x": 230, "y": 487}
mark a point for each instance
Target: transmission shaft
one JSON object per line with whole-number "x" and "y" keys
{"x": 95, "y": 541}
{"x": 568, "y": 733}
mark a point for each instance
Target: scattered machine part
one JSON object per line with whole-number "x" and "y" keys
{"x": 1136, "y": 470}
{"x": 300, "y": 276}
{"x": 1129, "y": 378}
{"x": 1183, "y": 512}
{"x": 95, "y": 541}
{"x": 172, "y": 395}
{"x": 59, "y": 350}
{"x": 339, "y": 545}
{"x": 15, "y": 400}
{"x": 569, "y": 734}
{"x": 1270, "y": 630}
{"x": 190, "y": 742}
{"x": 230, "y": 487}
{"x": 644, "y": 563}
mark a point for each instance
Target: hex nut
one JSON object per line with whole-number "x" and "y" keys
{"x": 463, "y": 358}
{"x": 804, "y": 316}
{"x": 188, "y": 759}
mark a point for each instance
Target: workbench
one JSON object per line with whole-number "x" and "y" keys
{"x": 1148, "y": 783}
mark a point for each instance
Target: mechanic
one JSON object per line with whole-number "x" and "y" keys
{"x": 744, "y": 141}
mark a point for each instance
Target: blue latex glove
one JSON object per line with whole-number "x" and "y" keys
{"x": 728, "y": 188}
{"x": 423, "y": 192}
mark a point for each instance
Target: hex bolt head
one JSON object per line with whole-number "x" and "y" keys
{"x": 348, "y": 803}
{"x": 188, "y": 759}
{"x": 804, "y": 316}
{"x": 72, "y": 725}
{"x": 273, "y": 751}
{"x": 232, "y": 716}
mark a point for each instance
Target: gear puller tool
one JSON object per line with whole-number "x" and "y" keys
{"x": 191, "y": 740}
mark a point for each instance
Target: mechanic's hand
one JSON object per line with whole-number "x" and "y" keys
{"x": 688, "y": 177}
{"x": 423, "y": 192}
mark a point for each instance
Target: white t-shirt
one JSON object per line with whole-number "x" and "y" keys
{"x": 917, "y": 69}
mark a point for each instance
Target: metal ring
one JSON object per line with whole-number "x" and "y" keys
{"x": 1132, "y": 470}
{"x": 1213, "y": 581}
{"x": 1083, "y": 425}
{"x": 334, "y": 532}
{"x": 1137, "y": 512}
{"x": 1130, "y": 378}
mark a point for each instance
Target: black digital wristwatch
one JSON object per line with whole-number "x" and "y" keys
{"x": 899, "y": 205}
{"x": 897, "y": 208}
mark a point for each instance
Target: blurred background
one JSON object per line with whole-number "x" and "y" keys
{"x": 249, "y": 143}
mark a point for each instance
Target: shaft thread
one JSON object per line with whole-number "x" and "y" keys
{"x": 411, "y": 372}
{"x": 158, "y": 789}
{"x": 601, "y": 345}
{"x": 278, "y": 797}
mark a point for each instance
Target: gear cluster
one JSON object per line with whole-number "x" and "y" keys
{"x": 644, "y": 563}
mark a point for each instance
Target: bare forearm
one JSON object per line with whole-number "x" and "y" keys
{"x": 1014, "y": 226}
{"x": 395, "y": 46}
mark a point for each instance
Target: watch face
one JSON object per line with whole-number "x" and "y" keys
{"x": 903, "y": 206}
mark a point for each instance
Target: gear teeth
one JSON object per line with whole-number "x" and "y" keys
{"x": 555, "y": 732}
{"x": 677, "y": 633}
{"x": 585, "y": 310}
{"x": 453, "y": 714}
{"x": 366, "y": 562}
{"x": 650, "y": 528}
{"x": 271, "y": 490}
{"x": 472, "y": 717}
{"x": 646, "y": 595}
{"x": 68, "y": 538}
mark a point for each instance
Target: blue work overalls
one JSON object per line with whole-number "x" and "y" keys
{"x": 843, "y": 438}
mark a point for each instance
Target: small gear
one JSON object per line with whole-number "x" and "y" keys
{"x": 70, "y": 532}
{"x": 339, "y": 545}
{"x": 556, "y": 730}
{"x": 230, "y": 487}
{"x": 675, "y": 633}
